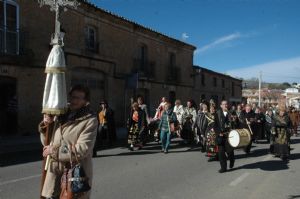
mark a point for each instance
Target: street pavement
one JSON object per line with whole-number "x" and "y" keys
{"x": 183, "y": 173}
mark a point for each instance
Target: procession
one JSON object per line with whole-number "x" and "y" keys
{"x": 174, "y": 99}
{"x": 218, "y": 131}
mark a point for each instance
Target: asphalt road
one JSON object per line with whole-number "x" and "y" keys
{"x": 184, "y": 173}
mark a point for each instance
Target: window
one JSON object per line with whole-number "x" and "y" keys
{"x": 223, "y": 83}
{"x": 203, "y": 79}
{"x": 9, "y": 27}
{"x": 232, "y": 89}
{"x": 215, "y": 82}
{"x": 90, "y": 38}
{"x": 172, "y": 60}
{"x": 143, "y": 57}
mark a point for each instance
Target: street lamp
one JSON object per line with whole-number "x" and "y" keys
{"x": 57, "y": 6}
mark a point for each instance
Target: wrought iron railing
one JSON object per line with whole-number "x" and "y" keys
{"x": 145, "y": 69}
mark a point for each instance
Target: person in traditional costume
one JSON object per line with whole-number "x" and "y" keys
{"x": 260, "y": 124}
{"x": 200, "y": 125}
{"x": 136, "y": 124}
{"x": 178, "y": 110}
{"x": 143, "y": 106}
{"x": 268, "y": 128}
{"x": 281, "y": 129}
{"x": 168, "y": 119}
{"x": 160, "y": 108}
{"x": 224, "y": 150}
{"x": 234, "y": 118}
{"x": 238, "y": 110}
{"x": 189, "y": 117}
{"x": 145, "y": 134}
{"x": 106, "y": 126}
{"x": 247, "y": 120}
{"x": 295, "y": 119}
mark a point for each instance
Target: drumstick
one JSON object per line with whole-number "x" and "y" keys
{"x": 249, "y": 127}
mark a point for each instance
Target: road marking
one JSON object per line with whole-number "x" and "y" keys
{"x": 239, "y": 179}
{"x": 19, "y": 179}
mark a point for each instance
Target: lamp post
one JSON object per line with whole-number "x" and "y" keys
{"x": 58, "y": 6}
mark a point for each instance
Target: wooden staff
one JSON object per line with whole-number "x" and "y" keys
{"x": 47, "y": 142}
{"x": 49, "y": 132}
{"x": 249, "y": 126}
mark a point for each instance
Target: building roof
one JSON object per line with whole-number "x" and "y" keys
{"x": 135, "y": 23}
{"x": 215, "y": 73}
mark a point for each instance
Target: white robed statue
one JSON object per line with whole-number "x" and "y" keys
{"x": 55, "y": 95}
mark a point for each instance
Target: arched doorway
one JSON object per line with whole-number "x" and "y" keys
{"x": 8, "y": 106}
{"x": 94, "y": 80}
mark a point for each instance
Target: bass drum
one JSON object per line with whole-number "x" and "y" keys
{"x": 239, "y": 138}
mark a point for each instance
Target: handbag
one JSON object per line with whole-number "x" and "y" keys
{"x": 73, "y": 181}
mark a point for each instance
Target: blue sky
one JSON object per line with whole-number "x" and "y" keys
{"x": 237, "y": 37}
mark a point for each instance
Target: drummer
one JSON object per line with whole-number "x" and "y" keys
{"x": 225, "y": 151}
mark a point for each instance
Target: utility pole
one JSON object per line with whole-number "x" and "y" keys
{"x": 259, "y": 88}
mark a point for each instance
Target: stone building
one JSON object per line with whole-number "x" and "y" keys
{"x": 269, "y": 97}
{"x": 115, "y": 57}
{"x": 213, "y": 85}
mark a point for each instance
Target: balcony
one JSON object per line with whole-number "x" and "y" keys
{"x": 173, "y": 74}
{"x": 145, "y": 69}
{"x": 13, "y": 47}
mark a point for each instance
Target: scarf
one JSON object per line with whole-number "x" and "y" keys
{"x": 71, "y": 116}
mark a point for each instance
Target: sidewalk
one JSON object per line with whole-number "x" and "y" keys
{"x": 15, "y": 144}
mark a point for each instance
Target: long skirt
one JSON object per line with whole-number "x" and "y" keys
{"x": 187, "y": 132}
{"x": 281, "y": 145}
{"x": 211, "y": 145}
{"x": 133, "y": 134}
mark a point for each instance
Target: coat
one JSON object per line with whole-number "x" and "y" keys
{"x": 82, "y": 134}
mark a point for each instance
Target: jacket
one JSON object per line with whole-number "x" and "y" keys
{"x": 82, "y": 134}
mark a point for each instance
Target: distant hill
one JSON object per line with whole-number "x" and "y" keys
{"x": 253, "y": 84}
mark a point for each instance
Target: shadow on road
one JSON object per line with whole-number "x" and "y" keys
{"x": 253, "y": 153}
{"x": 293, "y": 196}
{"x": 153, "y": 148}
{"x": 270, "y": 165}
{"x": 20, "y": 158}
{"x": 294, "y": 156}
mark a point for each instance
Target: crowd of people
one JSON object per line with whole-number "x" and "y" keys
{"x": 209, "y": 124}
{"x": 78, "y": 134}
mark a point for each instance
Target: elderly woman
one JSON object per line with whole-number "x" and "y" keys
{"x": 74, "y": 133}
{"x": 281, "y": 130}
